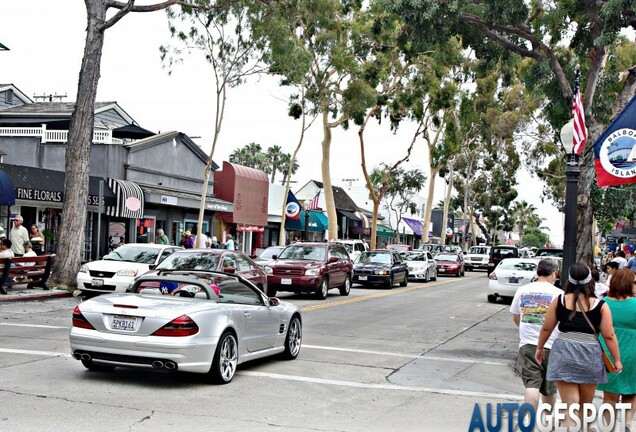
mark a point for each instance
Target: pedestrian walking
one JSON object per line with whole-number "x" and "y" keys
{"x": 37, "y": 240}
{"x": 576, "y": 358}
{"x": 621, "y": 301}
{"x": 215, "y": 243}
{"x": 612, "y": 266}
{"x": 187, "y": 241}
{"x": 529, "y": 306}
{"x": 162, "y": 238}
{"x": 229, "y": 244}
{"x": 620, "y": 259}
{"x": 600, "y": 289}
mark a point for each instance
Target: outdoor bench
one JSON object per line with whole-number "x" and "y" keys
{"x": 35, "y": 274}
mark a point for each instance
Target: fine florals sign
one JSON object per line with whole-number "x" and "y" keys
{"x": 48, "y": 196}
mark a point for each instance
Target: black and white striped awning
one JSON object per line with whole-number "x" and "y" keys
{"x": 129, "y": 199}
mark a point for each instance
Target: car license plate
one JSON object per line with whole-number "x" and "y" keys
{"x": 362, "y": 278}
{"x": 126, "y": 323}
{"x": 285, "y": 281}
{"x": 513, "y": 280}
{"x": 442, "y": 270}
{"x": 97, "y": 282}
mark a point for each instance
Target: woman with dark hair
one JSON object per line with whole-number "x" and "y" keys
{"x": 622, "y": 303}
{"x": 576, "y": 358}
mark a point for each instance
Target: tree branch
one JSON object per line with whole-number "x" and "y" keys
{"x": 628, "y": 92}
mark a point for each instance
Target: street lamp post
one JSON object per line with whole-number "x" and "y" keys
{"x": 306, "y": 224}
{"x": 572, "y": 171}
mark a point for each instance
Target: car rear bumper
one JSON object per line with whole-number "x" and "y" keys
{"x": 495, "y": 288}
{"x": 128, "y": 350}
{"x": 447, "y": 271}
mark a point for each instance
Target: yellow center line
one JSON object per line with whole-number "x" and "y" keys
{"x": 380, "y": 294}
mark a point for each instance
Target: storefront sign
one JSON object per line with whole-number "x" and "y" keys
{"x": 168, "y": 200}
{"x": 38, "y": 195}
{"x": 49, "y": 196}
{"x": 219, "y": 207}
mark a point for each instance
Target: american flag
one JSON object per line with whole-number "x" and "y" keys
{"x": 578, "y": 115}
{"x": 313, "y": 204}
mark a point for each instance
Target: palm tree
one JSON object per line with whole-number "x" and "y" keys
{"x": 285, "y": 158}
{"x": 274, "y": 154}
{"x": 524, "y": 214}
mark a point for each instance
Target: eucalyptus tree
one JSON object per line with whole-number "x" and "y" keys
{"x": 309, "y": 42}
{"x": 553, "y": 37}
{"x": 223, "y": 38}
{"x": 101, "y": 15}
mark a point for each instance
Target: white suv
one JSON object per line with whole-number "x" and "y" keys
{"x": 354, "y": 247}
{"x": 477, "y": 258}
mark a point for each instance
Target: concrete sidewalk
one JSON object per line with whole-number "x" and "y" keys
{"x": 20, "y": 293}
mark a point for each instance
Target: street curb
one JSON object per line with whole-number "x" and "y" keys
{"x": 34, "y": 297}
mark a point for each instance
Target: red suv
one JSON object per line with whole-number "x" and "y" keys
{"x": 310, "y": 268}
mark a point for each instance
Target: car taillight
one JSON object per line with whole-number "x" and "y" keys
{"x": 80, "y": 321}
{"x": 492, "y": 276}
{"x": 182, "y": 326}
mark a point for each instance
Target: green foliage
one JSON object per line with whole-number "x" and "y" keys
{"x": 271, "y": 161}
{"x": 399, "y": 185}
{"x": 534, "y": 237}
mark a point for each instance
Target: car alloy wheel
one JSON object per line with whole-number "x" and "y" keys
{"x": 345, "y": 289}
{"x": 427, "y": 277}
{"x": 225, "y": 359}
{"x": 294, "y": 339}
{"x": 324, "y": 288}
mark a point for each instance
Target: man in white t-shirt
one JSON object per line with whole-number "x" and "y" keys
{"x": 620, "y": 259}
{"x": 529, "y": 306}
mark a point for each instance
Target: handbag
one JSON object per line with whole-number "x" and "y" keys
{"x": 607, "y": 361}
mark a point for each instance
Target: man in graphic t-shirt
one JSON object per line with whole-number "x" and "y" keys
{"x": 529, "y": 306}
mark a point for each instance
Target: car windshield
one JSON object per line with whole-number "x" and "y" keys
{"x": 479, "y": 250}
{"x": 375, "y": 258}
{"x": 299, "y": 252}
{"x": 446, "y": 257}
{"x": 517, "y": 265}
{"x": 190, "y": 261}
{"x": 270, "y": 252}
{"x": 414, "y": 256}
{"x": 138, "y": 254}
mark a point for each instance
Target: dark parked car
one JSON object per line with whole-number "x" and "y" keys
{"x": 549, "y": 252}
{"x": 497, "y": 253}
{"x": 381, "y": 267}
{"x": 222, "y": 260}
{"x": 449, "y": 264}
{"x": 306, "y": 267}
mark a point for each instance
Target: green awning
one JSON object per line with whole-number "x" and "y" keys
{"x": 384, "y": 231}
{"x": 318, "y": 222}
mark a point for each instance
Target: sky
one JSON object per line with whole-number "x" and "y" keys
{"x": 46, "y": 41}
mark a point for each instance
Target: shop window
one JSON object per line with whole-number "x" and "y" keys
{"x": 145, "y": 229}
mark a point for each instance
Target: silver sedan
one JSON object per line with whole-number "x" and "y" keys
{"x": 421, "y": 265}
{"x": 197, "y": 321}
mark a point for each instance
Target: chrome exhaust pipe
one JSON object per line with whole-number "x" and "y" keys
{"x": 170, "y": 365}
{"x": 85, "y": 356}
{"x": 77, "y": 355}
{"x": 157, "y": 364}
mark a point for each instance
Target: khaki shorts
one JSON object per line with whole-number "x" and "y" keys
{"x": 533, "y": 373}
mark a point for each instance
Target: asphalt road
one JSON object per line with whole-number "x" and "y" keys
{"x": 407, "y": 359}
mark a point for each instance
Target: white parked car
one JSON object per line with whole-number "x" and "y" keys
{"x": 421, "y": 265}
{"x": 509, "y": 275}
{"x": 117, "y": 270}
{"x": 477, "y": 258}
{"x": 354, "y": 247}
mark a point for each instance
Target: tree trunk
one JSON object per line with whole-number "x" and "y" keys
{"x": 584, "y": 208}
{"x": 78, "y": 150}
{"x": 326, "y": 176}
{"x": 429, "y": 203}
{"x": 447, "y": 203}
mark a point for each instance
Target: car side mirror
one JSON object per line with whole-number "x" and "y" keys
{"x": 152, "y": 266}
{"x": 230, "y": 270}
{"x": 273, "y": 301}
{"x": 333, "y": 259}
{"x": 274, "y": 257}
